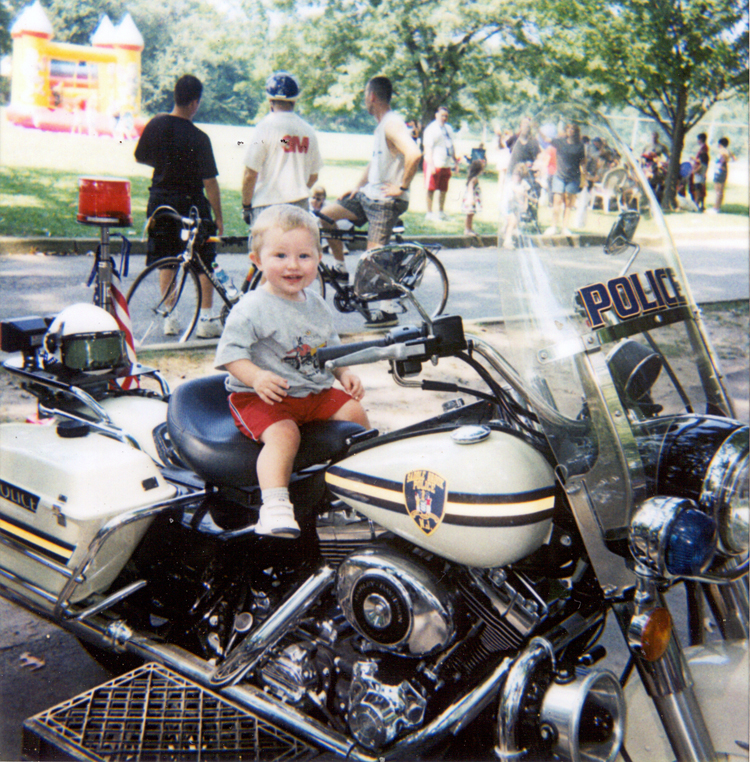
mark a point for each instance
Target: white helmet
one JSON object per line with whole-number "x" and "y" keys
{"x": 86, "y": 338}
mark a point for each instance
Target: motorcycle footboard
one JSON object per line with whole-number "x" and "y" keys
{"x": 153, "y": 713}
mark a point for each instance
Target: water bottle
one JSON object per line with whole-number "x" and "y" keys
{"x": 225, "y": 281}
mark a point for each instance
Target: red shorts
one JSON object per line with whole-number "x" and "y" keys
{"x": 253, "y": 416}
{"x": 438, "y": 180}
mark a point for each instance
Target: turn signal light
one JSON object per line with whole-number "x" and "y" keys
{"x": 651, "y": 632}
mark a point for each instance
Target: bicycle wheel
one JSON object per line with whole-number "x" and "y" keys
{"x": 164, "y": 303}
{"x": 431, "y": 290}
{"x": 253, "y": 283}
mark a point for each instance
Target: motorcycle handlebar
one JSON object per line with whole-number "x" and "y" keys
{"x": 394, "y": 336}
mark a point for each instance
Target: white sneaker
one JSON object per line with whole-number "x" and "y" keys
{"x": 442, "y": 216}
{"x": 171, "y": 326}
{"x": 430, "y": 217}
{"x": 381, "y": 319}
{"x": 208, "y": 328}
{"x": 550, "y": 231}
{"x": 277, "y": 520}
{"x": 566, "y": 231}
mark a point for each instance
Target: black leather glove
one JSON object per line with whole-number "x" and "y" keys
{"x": 247, "y": 213}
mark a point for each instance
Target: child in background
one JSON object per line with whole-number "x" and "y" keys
{"x": 268, "y": 344}
{"x": 315, "y": 204}
{"x": 516, "y": 201}
{"x": 471, "y": 203}
{"x": 318, "y": 198}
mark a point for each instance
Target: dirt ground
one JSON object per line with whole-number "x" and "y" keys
{"x": 391, "y": 406}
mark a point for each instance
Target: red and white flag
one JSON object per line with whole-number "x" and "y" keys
{"x": 122, "y": 316}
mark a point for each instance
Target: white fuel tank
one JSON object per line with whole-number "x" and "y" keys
{"x": 55, "y": 495}
{"x": 474, "y": 496}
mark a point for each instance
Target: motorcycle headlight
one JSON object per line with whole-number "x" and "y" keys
{"x": 725, "y": 493}
{"x": 704, "y": 459}
{"x": 672, "y": 537}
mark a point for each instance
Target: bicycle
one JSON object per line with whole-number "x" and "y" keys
{"x": 171, "y": 288}
{"x": 415, "y": 266}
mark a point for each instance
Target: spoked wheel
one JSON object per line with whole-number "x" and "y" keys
{"x": 430, "y": 290}
{"x": 164, "y": 303}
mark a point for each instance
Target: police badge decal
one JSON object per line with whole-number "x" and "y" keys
{"x": 425, "y": 492}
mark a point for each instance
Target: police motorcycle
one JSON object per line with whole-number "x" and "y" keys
{"x": 449, "y": 590}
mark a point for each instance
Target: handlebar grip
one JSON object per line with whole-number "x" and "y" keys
{"x": 397, "y": 335}
{"x": 322, "y": 356}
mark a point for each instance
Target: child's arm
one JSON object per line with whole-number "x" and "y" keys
{"x": 351, "y": 382}
{"x": 269, "y": 386}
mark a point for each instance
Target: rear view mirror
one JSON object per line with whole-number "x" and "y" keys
{"x": 389, "y": 272}
{"x": 620, "y": 237}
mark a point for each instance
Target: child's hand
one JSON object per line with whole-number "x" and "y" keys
{"x": 270, "y": 387}
{"x": 352, "y": 384}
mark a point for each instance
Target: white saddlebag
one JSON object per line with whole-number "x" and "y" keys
{"x": 55, "y": 495}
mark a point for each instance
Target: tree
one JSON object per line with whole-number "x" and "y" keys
{"x": 434, "y": 51}
{"x": 671, "y": 60}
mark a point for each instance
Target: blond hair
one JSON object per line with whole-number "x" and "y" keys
{"x": 286, "y": 217}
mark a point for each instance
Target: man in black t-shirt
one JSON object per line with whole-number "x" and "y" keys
{"x": 184, "y": 167}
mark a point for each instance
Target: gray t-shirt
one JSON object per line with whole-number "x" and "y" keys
{"x": 281, "y": 336}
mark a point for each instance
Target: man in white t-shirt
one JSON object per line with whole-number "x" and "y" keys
{"x": 382, "y": 194}
{"x": 439, "y": 160}
{"x": 283, "y": 159}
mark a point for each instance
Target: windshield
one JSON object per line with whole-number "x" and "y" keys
{"x": 601, "y": 322}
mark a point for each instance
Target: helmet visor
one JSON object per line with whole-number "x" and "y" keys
{"x": 93, "y": 351}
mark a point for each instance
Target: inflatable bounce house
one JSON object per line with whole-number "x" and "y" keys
{"x": 92, "y": 90}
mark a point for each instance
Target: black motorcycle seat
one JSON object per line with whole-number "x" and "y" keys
{"x": 205, "y": 436}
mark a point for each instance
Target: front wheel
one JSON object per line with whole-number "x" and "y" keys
{"x": 164, "y": 303}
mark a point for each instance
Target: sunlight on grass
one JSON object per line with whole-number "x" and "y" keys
{"x": 18, "y": 199}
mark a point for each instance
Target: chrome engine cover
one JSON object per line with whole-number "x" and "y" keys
{"x": 395, "y": 603}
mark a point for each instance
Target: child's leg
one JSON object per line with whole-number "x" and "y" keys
{"x": 510, "y": 230}
{"x": 352, "y": 411}
{"x": 274, "y": 467}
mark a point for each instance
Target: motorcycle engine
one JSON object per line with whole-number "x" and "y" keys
{"x": 395, "y": 603}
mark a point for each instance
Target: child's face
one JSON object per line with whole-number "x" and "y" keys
{"x": 317, "y": 201}
{"x": 289, "y": 260}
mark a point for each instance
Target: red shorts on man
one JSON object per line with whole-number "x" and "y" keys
{"x": 438, "y": 180}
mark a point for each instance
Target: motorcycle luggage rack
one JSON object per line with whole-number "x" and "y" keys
{"x": 155, "y": 714}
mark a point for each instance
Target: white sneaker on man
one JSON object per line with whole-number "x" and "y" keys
{"x": 550, "y": 231}
{"x": 277, "y": 520}
{"x": 208, "y": 328}
{"x": 171, "y": 326}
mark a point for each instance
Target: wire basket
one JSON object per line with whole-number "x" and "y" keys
{"x": 153, "y": 714}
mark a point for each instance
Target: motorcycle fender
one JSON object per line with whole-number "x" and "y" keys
{"x": 55, "y": 495}
{"x": 720, "y": 675}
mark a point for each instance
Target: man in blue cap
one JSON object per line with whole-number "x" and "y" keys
{"x": 283, "y": 160}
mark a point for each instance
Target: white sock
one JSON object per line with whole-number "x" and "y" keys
{"x": 206, "y": 313}
{"x": 275, "y": 495}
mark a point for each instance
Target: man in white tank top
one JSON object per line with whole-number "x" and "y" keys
{"x": 382, "y": 194}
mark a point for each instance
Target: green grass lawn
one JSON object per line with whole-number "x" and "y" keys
{"x": 39, "y": 173}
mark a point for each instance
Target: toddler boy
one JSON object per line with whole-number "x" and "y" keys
{"x": 268, "y": 345}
